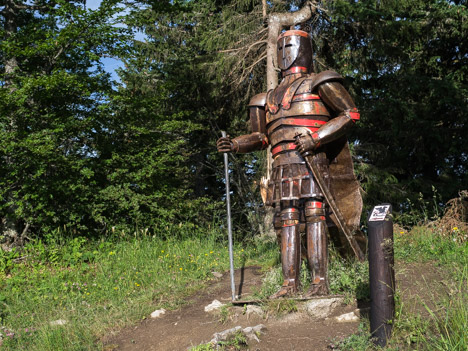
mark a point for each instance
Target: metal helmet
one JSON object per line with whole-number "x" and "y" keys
{"x": 294, "y": 49}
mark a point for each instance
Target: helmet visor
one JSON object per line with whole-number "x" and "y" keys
{"x": 287, "y": 51}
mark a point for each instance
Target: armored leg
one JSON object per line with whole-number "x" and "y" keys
{"x": 317, "y": 253}
{"x": 290, "y": 251}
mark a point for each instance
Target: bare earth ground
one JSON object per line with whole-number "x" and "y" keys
{"x": 191, "y": 325}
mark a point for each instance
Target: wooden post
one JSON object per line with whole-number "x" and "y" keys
{"x": 381, "y": 273}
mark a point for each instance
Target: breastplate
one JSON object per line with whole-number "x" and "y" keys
{"x": 300, "y": 112}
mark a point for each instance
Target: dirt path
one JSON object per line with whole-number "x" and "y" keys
{"x": 191, "y": 325}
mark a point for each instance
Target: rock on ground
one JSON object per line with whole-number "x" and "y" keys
{"x": 252, "y": 309}
{"x": 215, "y": 305}
{"x": 158, "y": 313}
{"x": 249, "y": 332}
{"x": 347, "y": 317}
{"x": 321, "y": 308}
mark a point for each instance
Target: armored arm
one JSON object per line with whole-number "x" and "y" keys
{"x": 256, "y": 140}
{"x": 338, "y": 99}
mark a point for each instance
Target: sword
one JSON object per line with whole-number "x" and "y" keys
{"x": 312, "y": 164}
{"x": 228, "y": 205}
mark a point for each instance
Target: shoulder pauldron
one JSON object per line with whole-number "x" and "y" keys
{"x": 325, "y": 76}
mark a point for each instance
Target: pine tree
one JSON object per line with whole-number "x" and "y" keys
{"x": 406, "y": 64}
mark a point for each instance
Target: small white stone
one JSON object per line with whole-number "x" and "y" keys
{"x": 58, "y": 322}
{"x": 347, "y": 317}
{"x": 217, "y": 274}
{"x": 215, "y": 305}
{"x": 158, "y": 313}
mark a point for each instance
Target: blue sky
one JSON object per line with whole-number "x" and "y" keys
{"x": 110, "y": 63}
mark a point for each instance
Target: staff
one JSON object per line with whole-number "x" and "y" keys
{"x": 228, "y": 205}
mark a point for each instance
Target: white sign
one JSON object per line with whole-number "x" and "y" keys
{"x": 379, "y": 213}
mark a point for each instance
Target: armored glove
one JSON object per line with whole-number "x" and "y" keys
{"x": 224, "y": 144}
{"x": 306, "y": 143}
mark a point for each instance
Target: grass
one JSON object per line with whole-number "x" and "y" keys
{"x": 451, "y": 325}
{"x": 442, "y": 327}
{"x": 96, "y": 286}
{"x": 356, "y": 342}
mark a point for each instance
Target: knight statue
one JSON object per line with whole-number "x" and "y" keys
{"x": 307, "y": 113}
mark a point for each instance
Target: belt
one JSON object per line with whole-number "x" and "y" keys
{"x": 288, "y": 158}
{"x": 283, "y": 147}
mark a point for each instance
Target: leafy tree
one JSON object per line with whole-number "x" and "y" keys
{"x": 53, "y": 90}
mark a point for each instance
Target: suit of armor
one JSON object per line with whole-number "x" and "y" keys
{"x": 303, "y": 114}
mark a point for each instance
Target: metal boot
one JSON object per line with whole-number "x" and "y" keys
{"x": 317, "y": 253}
{"x": 290, "y": 252}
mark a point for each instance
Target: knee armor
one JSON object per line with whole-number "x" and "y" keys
{"x": 290, "y": 216}
{"x": 314, "y": 211}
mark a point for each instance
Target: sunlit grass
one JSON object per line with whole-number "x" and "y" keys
{"x": 97, "y": 286}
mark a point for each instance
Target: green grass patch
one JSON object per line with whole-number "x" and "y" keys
{"x": 422, "y": 244}
{"x": 356, "y": 342}
{"x": 451, "y": 324}
{"x": 100, "y": 285}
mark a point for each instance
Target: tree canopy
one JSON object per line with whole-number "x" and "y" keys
{"x": 82, "y": 152}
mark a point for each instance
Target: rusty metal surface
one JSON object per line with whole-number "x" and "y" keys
{"x": 317, "y": 254}
{"x": 325, "y": 76}
{"x": 294, "y": 48}
{"x": 249, "y": 143}
{"x": 257, "y": 119}
{"x": 291, "y": 181}
{"x": 300, "y": 108}
{"x": 334, "y": 129}
{"x": 336, "y": 96}
{"x": 288, "y": 49}
{"x": 301, "y": 121}
{"x": 339, "y": 219}
{"x": 258, "y": 100}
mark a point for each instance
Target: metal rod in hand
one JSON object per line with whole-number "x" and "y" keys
{"x": 228, "y": 205}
